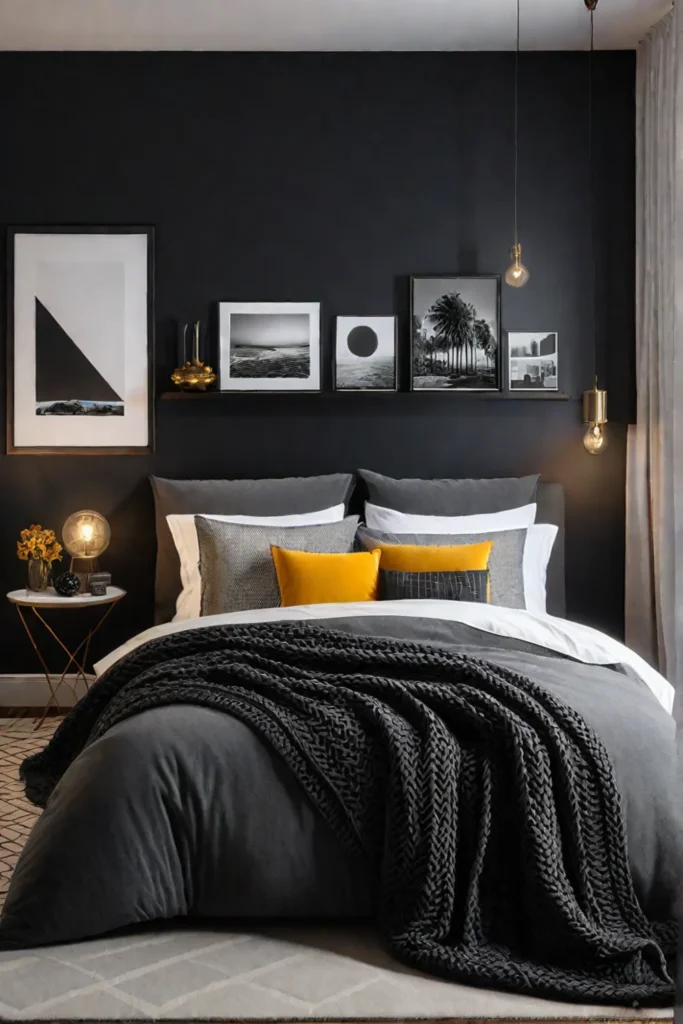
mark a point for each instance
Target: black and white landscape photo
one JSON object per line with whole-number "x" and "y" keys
{"x": 81, "y": 340}
{"x": 365, "y": 353}
{"x": 269, "y": 346}
{"x": 455, "y": 333}
{"x": 533, "y": 360}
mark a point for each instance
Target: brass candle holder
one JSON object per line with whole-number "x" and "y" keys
{"x": 193, "y": 375}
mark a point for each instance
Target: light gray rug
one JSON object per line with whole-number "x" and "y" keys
{"x": 282, "y": 972}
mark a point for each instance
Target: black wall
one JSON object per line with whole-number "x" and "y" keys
{"x": 333, "y": 177}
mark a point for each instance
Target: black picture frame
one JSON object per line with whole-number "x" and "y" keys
{"x": 476, "y": 374}
{"x": 11, "y": 447}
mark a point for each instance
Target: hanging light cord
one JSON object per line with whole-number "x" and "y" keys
{"x": 516, "y": 122}
{"x": 591, "y": 162}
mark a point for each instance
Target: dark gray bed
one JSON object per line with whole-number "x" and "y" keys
{"x": 183, "y": 810}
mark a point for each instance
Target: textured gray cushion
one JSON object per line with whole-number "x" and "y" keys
{"x": 284, "y": 497}
{"x": 449, "y": 497}
{"x": 236, "y": 563}
{"x": 506, "y": 561}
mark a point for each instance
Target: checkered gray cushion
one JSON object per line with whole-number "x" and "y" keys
{"x": 236, "y": 565}
{"x": 506, "y": 561}
{"x": 469, "y": 585}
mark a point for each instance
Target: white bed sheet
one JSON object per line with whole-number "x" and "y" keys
{"x": 577, "y": 641}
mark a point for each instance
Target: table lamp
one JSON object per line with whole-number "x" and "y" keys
{"x": 86, "y": 536}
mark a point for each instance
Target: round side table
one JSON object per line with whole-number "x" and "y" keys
{"x": 42, "y": 600}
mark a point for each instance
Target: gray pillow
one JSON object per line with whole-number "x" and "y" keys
{"x": 506, "y": 561}
{"x": 285, "y": 497}
{"x": 449, "y": 497}
{"x": 236, "y": 563}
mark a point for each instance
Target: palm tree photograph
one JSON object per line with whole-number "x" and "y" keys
{"x": 455, "y": 333}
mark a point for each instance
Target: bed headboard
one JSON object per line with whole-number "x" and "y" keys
{"x": 551, "y": 510}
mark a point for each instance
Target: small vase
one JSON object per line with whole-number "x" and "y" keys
{"x": 38, "y": 574}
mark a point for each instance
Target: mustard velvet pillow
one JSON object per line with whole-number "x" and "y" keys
{"x": 429, "y": 558}
{"x": 306, "y": 577}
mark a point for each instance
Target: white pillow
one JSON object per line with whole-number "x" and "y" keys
{"x": 538, "y": 548}
{"x": 387, "y": 520}
{"x": 184, "y": 533}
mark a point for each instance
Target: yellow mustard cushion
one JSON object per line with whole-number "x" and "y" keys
{"x": 430, "y": 558}
{"x": 305, "y": 577}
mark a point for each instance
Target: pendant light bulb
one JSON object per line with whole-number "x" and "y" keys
{"x": 595, "y": 439}
{"x": 516, "y": 274}
{"x": 595, "y": 417}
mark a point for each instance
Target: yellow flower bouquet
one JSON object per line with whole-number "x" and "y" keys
{"x": 40, "y": 548}
{"x": 39, "y": 543}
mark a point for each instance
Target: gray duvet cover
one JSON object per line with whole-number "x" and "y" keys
{"x": 184, "y": 811}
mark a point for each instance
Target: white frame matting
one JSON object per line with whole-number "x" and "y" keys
{"x": 226, "y": 310}
{"x": 95, "y": 285}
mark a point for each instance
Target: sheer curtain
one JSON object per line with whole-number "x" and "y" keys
{"x": 654, "y": 517}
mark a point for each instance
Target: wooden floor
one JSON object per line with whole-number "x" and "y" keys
{"x": 18, "y": 739}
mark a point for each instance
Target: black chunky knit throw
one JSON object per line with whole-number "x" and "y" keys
{"x": 486, "y": 809}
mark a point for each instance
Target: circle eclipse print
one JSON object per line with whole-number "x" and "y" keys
{"x": 362, "y": 341}
{"x": 365, "y": 353}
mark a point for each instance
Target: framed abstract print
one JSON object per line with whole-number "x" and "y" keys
{"x": 365, "y": 353}
{"x": 80, "y": 377}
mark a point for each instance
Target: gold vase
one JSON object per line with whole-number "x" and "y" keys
{"x": 38, "y": 574}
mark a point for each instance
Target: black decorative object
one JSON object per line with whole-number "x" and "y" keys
{"x": 67, "y": 584}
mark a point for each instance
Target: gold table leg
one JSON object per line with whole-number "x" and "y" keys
{"x": 73, "y": 658}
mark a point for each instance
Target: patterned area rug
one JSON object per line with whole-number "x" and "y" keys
{"x": 193, "y": 973}
{"x": 18, "y": 738}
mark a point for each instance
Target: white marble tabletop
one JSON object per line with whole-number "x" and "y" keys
{"x": 51, "y": 599}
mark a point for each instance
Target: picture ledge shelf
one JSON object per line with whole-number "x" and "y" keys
{"x": 237, "y": 396}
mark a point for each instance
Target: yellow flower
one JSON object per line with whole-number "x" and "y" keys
{"x": 39, "y": 544}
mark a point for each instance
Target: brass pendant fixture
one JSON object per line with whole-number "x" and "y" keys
{"x": 516, "y": 274}
{"x": 595, "y": 415}
{"x": 594, "y": 401}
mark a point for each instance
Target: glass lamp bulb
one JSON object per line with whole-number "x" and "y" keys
{"x": 86, "y": 534}
{"x": 595, "y": 439}
{"x": 516, "y": 274}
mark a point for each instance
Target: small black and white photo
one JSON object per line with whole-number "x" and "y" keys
{"x": 365, "y": 353}
{"x": 533, "y": 360}
{"x": 269, "y": 346}
{"x": 455, "y": 333}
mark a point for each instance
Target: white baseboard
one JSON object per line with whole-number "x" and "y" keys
{"x": 32, "y": 691}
